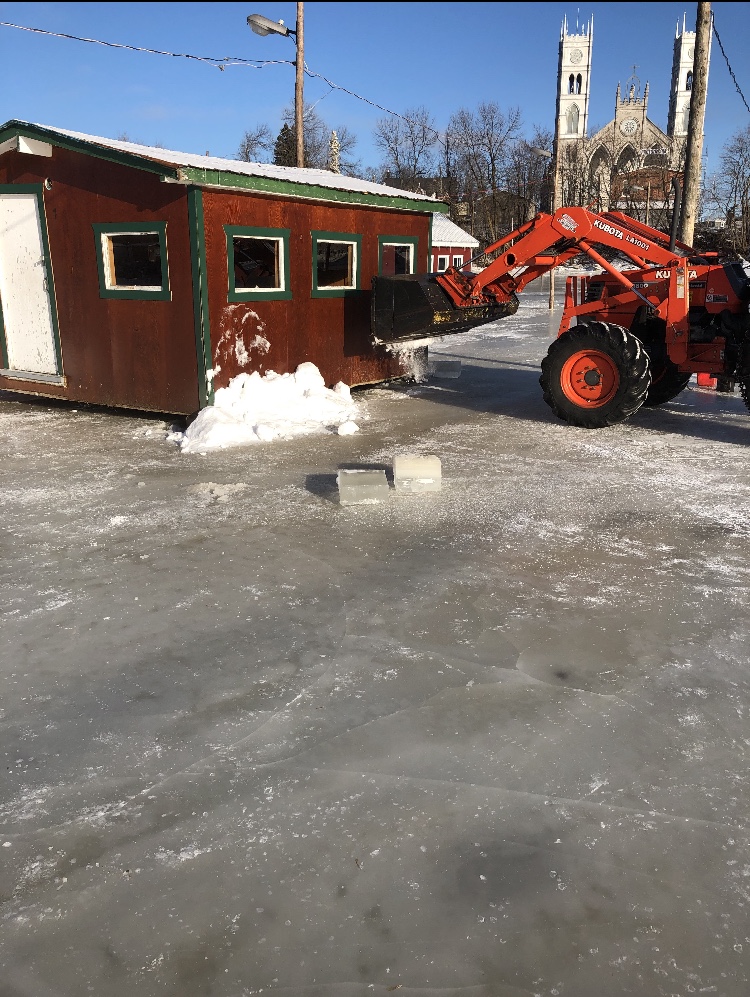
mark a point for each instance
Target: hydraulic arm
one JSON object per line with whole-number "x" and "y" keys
{"x": 416, "y": 306}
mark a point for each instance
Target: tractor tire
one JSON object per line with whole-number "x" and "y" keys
{"x": 595, "y": 375}
{"x": 666, "y": 383}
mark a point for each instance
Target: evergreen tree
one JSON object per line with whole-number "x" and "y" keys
{"x": 285, "y": 147}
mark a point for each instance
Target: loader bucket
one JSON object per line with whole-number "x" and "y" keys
{"x": 415, "y": 306}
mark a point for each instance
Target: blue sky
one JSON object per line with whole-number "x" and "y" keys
{"x": 398, "y": 54}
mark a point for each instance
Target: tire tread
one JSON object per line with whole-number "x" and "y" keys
{"x": 632, "y": 363}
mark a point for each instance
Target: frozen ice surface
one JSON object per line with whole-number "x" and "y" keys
{"x": 362, "y": 486}
{"x": 413, "y": 473}
{"x": 489, "y": 741}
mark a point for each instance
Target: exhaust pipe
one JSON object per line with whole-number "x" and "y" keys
{"x": 415, "y": 306}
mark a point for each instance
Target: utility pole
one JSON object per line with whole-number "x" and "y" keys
{"x": 299, "y": 103}
{"x": 262, "y": 25}
{"x": 694, "y": 153}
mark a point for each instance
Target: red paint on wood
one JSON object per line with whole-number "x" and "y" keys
{"x": 142, "y": 354}
{"x": 129, "y": 354}
{"x": 332, "y": 333}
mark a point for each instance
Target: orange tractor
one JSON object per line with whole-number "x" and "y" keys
{"x": 628, "y": 337}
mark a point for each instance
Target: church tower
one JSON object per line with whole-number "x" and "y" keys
{"x": 682, "y": 82}
{"x": 574, "y": 81}
{"x": 573, "y": 90}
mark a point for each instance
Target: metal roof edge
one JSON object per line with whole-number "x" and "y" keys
{"x": 14, "y": 127}
{"x": 224, "y": 180}
{"x": 216, "y": 179}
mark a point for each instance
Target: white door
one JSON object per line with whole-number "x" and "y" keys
{"x": 24, "y": 288}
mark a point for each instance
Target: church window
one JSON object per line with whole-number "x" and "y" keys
{"x": 689, "y": 82}
{"x": 655, "y": 156}
{"x": 579, "y": 82}
{"x": 571, "y": 84}
{"x": 572, "y": 115}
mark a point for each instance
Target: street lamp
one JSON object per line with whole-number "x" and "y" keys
{"x": 265, "y": 26}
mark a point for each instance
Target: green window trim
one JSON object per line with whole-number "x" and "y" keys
{"x": 101, "y": 230}
{"x": 282, "y": 235}
{"x": 346, "y": 238}
{"x": 201, "y": 313}
{"x": 399, "y": 240}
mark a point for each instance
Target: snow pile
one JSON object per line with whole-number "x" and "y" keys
{"x": 253, "y": 408}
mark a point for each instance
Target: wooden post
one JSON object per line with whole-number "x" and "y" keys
{"x": 299, "y": 103}
{"x": 693, "y": 156}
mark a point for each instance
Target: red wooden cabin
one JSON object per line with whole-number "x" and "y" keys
{"x": 142, "y": 278}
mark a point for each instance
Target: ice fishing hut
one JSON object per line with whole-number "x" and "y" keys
{"x": 451, "y": 246}
{"x": 137, "y": 277}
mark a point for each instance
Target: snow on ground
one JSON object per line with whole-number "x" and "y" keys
{"x": 252, "y": 409}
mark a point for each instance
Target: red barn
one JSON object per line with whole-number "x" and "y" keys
{"x": 138, "y": 277}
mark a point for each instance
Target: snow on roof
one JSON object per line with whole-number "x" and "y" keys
{"x": 269, "y": 171}
{"x": 447, "y": 233}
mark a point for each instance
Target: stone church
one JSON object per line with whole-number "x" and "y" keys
{"x": 630, "y": 162}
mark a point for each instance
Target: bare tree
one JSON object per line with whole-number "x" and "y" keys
{"x": 580, "y": 183}
{"x": 528, "y": 171}
{"x": 483, "y": 141}
{"x": 728, "y": 192}
{"x": 318, "y": 139}
{"x": 407, "y": 145}
{"x": 256, "y": 145}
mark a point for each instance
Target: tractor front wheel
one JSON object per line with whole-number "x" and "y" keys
{"x": 595, "y": 375}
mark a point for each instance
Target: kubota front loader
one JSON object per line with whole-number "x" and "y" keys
{"x": 627, "y": 337}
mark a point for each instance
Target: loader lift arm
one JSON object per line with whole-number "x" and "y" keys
{"x": 411, "y": 307}
{"x": 523, "y": 255}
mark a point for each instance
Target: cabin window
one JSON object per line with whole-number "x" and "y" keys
{"x": 257, "y": 263}
{"x": 335, "y": 264}
{"x": 442, "y": 263}
{"x": 397, "y": 254}
{"x": 132, "y": 260}
{"x": 458, "y": 262}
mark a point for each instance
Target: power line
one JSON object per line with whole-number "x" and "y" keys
{"x": 372, "y": 103}
{"x": 731, "y": 71}
{"x": 215, "y": 61}
{"x": 209, "y": 59}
